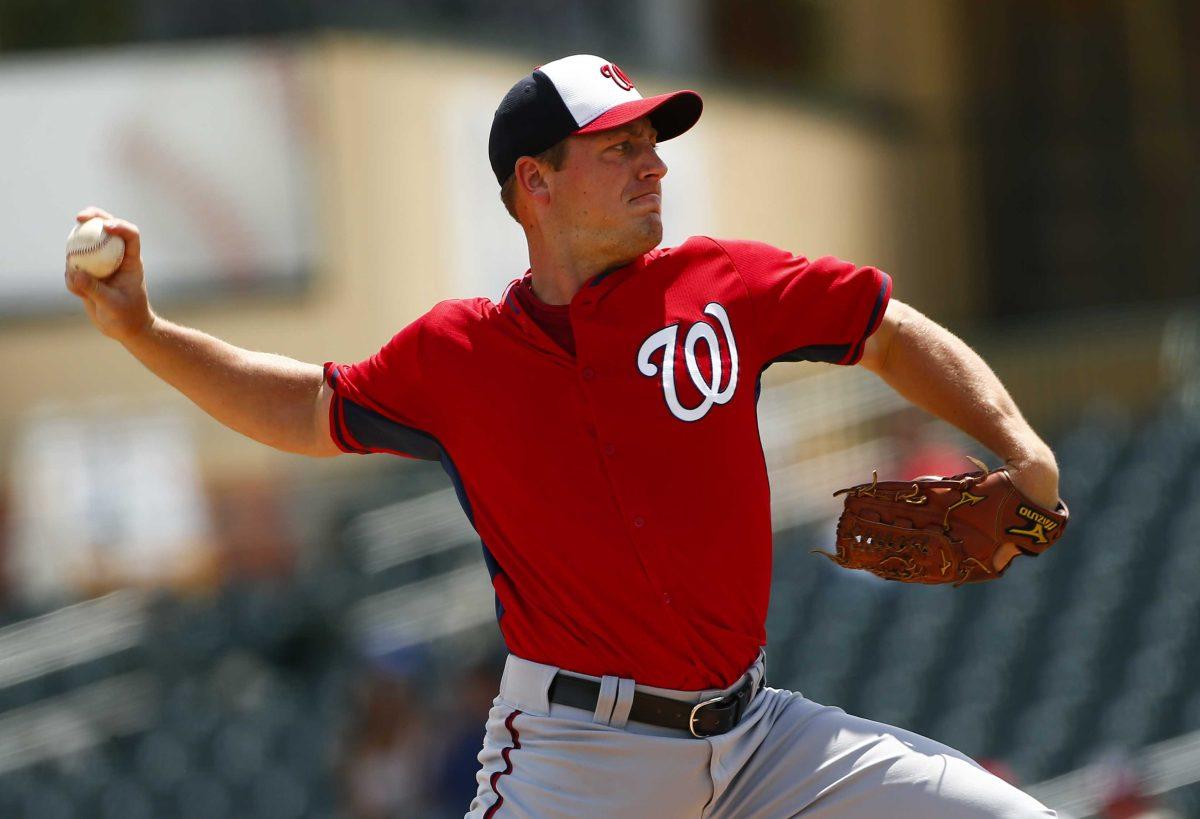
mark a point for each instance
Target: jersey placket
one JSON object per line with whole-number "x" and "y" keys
{"x": 594, "y": 378}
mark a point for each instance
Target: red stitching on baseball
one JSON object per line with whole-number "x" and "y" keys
{"x": 99, "y": 243}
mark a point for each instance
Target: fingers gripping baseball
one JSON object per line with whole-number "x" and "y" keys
{"x": 118, "y": 304}
{"x": 118, "y": 227}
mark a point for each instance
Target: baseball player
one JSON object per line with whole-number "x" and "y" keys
{"x": 599, "y": 426}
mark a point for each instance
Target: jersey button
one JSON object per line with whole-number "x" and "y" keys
{"x": 639, "y": 521}
{"x": 609, "y": 449}
{"x": 666, "y": 598}
{"x": 588, "y": 373}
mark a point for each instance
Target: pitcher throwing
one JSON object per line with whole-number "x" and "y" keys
{"x": 599, "y": 425}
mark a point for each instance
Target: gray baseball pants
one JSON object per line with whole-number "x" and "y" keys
{"x": 788, "y": 756}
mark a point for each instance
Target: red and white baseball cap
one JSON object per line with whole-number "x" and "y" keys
{"x": 578, "y": 95}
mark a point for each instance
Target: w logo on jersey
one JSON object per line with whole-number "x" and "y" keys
{"x": 708, "y": 386}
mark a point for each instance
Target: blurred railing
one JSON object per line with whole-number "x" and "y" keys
{"x": 1163, "y": 767}
{"x": 58, "y": 695}
{"x": 73, "y": 722}
{"x": 71, "y": 636}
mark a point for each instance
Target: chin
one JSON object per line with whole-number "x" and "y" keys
{"x": 652, "y": 232}
{"x": 636, "y": 239}
{"x": 640, "y": 244}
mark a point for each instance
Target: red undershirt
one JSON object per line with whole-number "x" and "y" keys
{"x": 553, "y": 319}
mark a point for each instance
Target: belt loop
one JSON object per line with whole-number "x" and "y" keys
{"x": 620, "y": 713}
{"x": 525, "y": 684}
{"x": 606, "y": 700}
{"x": 758, "y": 672}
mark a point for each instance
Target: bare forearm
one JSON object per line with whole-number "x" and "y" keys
{"x": 267, "y": 397}
{"x": 937, "y": 371}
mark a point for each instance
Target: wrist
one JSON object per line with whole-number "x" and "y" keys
{"x": 1035, "y": 455}
{"x": 142, "y": 331}
{"x": 1035, "y": 474}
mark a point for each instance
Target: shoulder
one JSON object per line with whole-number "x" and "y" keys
{"x": 461, "y": 325}
{"x": 712, "y": 262}
{"x": 703, "y": 251}
{"x": 740, "y": 254}
{"x": 694, "y": 247}
{"x": 454, "y": 315}
{"x": 460, "y": 311}
{"x": 751, "y": 253}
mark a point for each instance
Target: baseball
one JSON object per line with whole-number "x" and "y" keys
{"x": 92, "y": 250}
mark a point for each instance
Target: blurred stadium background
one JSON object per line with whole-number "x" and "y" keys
{"x": 194, "y": 625}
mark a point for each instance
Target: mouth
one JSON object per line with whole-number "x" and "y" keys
{"x": 653, "y": 198}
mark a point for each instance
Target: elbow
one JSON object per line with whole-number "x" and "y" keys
{"x": 878, "y": 350}
{"x": 320, "y": 446}
{"x": 310, "y": 446}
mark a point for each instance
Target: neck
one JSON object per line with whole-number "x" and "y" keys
{"x": 558, "y": 270}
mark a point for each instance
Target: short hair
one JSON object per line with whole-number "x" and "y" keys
{"x": 554, "y": 156}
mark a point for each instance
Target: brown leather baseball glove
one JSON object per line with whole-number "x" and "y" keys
{"x": 941, "y": 530}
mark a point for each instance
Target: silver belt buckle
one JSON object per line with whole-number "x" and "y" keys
{"x": 695, "y": 710}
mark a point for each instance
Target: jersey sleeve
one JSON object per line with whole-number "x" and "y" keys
{"x": 383, "y": 403}
{"x": 819, "y": 310}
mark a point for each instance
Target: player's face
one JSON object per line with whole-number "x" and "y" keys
{"x": 612, "y": 196}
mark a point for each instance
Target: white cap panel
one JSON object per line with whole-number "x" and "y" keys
{"x": 589, "y": 85}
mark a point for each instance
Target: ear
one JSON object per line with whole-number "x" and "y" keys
{"x": 531, "y": 179}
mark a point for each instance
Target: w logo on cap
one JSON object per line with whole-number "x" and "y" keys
{"x": 574, "y": 95}
{"x": 614, "y": 73}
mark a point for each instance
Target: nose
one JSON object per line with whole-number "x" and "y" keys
{"x": 652, "y": 167}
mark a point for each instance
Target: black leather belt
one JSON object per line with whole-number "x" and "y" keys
{"x": 703, "y": 719}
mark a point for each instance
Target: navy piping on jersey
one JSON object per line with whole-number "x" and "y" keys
{"x": 510, "y": 301}
{"x": 338, "y": 425}
{"x": 884, "y": 284}
{"x": 829, "y": 353}
{"x": 379, "y": 433}
{"x": 835, "y": 353}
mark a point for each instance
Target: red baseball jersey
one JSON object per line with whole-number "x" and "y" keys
{"x": 621, "y": 493}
